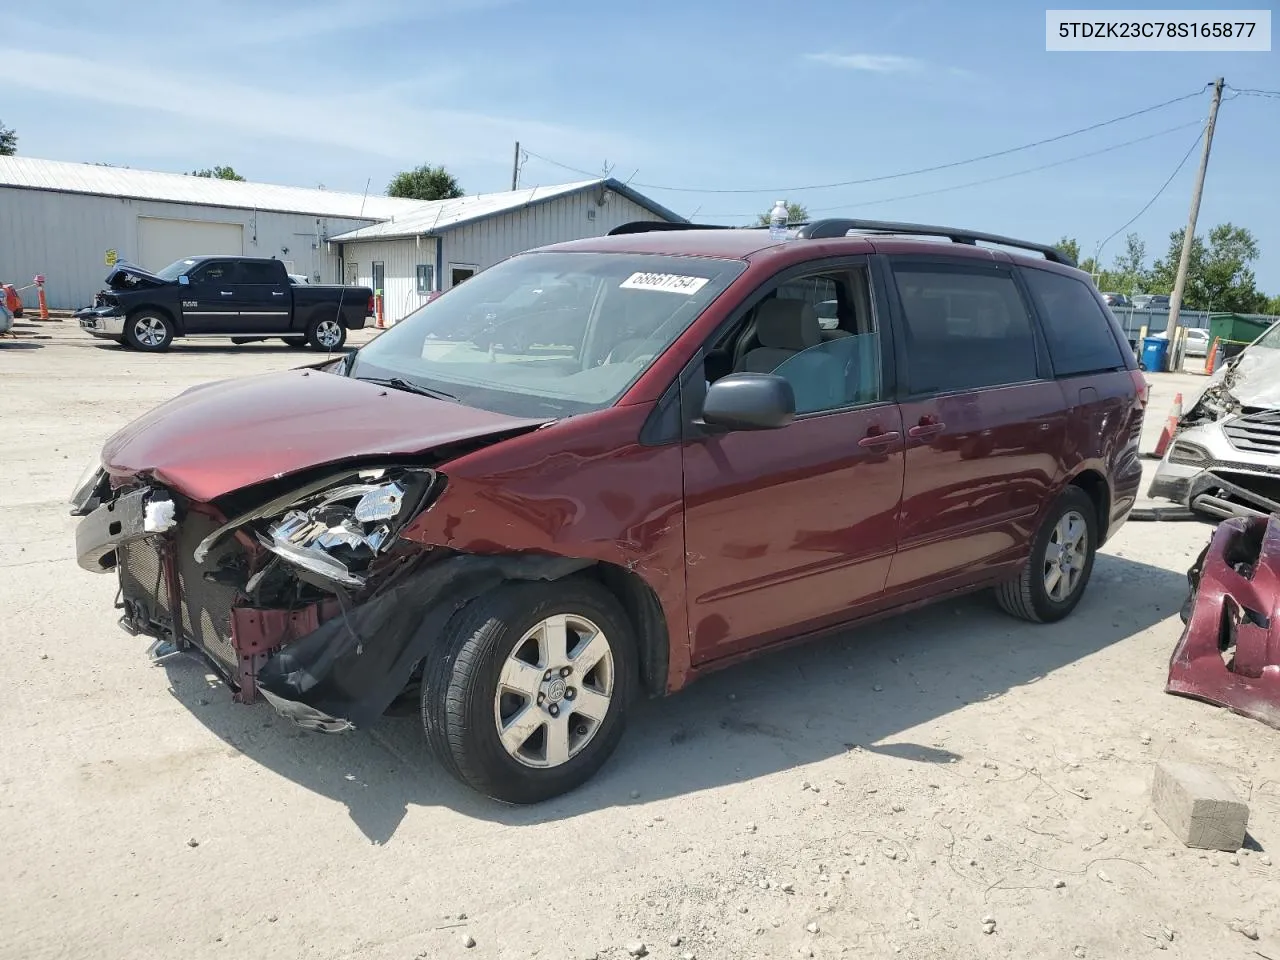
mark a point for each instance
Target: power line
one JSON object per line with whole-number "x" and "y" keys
{"x": 996, "y": 179}
{"x": 1176, "y": 170}
{"x": 894, "y": 176}
{"x": 1253, "y": 92}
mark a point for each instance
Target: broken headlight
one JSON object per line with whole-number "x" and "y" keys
{"x": 86, "y": 495}
{"x": 1188, "y": 453}
{"x": 337, "y": 533}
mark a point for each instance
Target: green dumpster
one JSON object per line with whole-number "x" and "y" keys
{"x": 1233, "y": 327}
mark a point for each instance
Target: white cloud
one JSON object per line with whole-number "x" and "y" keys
{"x": 393, "y": 127}
{"x": 873, "y": 62}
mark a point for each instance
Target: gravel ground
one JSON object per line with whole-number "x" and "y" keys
{"x": 882, "y": 794}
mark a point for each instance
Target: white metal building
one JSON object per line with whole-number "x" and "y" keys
{"x": 66, "y": 221}
{"x": 446, "y": 241}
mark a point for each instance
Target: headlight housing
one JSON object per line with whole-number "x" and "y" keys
{"x": 337, "y": 533}
{"x": 1188, "y": 453}
{"x": 85, "y": 496}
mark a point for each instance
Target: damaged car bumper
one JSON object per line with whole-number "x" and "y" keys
{"x": 1227, "y": 468}
{"x": 106, "y": 323}
{"x": 1229, "y": 652}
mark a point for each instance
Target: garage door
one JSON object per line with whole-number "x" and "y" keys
{"x": 160, "y": 242}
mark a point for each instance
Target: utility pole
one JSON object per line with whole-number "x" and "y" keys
{"x": 515, "y": 169}
{"x": 1179, "y": 285}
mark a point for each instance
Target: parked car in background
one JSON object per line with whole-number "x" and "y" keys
{"x": 244, "y": 298}
{"x": 1116, "y": 300}
{"x": 1197, "y": 344}
{"x": 1224, "y": 460}
{"x": 1150, "y": 301}
{"x": 688, "y": 470}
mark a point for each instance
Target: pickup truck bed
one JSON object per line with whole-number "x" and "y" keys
{"x": 244, "y": 298}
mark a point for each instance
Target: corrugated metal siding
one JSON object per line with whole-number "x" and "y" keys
{"x": 489, "y": 241}
{"x": 400, "y": 259}
{"x": 65, "y": 236}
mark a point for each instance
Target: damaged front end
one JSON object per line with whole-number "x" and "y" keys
{"x": 1229, "y": 653}
{"x": 1224, "y": 458}
{"x": 239, "y": 591}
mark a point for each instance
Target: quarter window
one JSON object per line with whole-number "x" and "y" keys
{"x": 1078, "y": 332}
{"x": 964, "y": 328}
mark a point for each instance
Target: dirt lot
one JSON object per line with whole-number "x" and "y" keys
{"x": 877, "y": 795}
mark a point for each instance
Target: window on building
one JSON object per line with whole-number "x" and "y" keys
{"x": 1078, "y": 331}
{"x": 425, "y": 278}
{"x": 379, "y": 276}
{"x": 965, "y": 328}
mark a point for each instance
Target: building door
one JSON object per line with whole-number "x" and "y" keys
{"x": 458, "y": 272}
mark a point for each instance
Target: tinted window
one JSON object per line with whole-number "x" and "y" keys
{"x": 964, "y": 328}
{"x": 215, "y": 271}
{"x": 251, "y": 272}
{"x": 1078, "y": 331}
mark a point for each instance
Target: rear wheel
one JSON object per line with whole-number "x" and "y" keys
{"x": 148, "y": 330}
{"x": 327, "y": 335}
{"x": 529, "y": 695}
{"x": 1057, "y": 572}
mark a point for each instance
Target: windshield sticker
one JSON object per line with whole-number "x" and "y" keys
{"x": 664, "y": 282}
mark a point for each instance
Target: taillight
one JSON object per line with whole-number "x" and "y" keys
{"x": 372, "y": 310}
{"x": 1144, "y": 389}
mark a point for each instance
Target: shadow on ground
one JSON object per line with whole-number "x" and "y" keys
{"x": 794, "y": 707}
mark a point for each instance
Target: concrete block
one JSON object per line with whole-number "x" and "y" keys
{"x": 1199, "y": 807}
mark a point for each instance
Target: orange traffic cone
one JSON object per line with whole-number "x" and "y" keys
{"x": 1170, "y": 426}
{"x": 1213, "y": 355}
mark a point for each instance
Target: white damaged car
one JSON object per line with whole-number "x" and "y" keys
{"x": 1224, "y": 460}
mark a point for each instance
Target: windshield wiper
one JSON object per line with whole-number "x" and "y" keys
{"x": 399, "y": 383}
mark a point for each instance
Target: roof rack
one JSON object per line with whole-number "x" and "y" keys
{"x": 649, "y": 226}
{"x": 827, "y": 229}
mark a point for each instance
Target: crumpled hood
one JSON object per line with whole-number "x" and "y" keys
{"x": 223, "y": 436}
{"x": 125, "y": 276}
{"x": 1257, "y": 378}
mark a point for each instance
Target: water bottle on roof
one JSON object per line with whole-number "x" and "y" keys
{"x": 778, "y": 217}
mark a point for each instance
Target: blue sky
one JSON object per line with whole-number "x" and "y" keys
{"x": 731, "y": 96}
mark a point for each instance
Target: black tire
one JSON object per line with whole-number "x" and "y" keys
{"x": 298, "y": 343}
{"x": 460, "y": 686}
{"x": 1026, "y": 596}
{"x": 17, "y": 314}
{"x": 320, "y": 330}
{"x": 149, "y": 331}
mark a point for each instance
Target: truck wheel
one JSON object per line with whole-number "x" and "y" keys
{"x": 1055, "y": 575}
{"x": 148, "y": 330}
{"x": 327, "y": 335}
{"x": 529, "y": 693}
{"x": 296, "y": 342}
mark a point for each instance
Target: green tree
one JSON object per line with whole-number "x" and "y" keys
{"x": 8, "y": 141}
{"x": 796, "y": 213}
{"x": 217, "y": 173}
{"x": 1219, "y": 273}
{"x": 425, "y": 183}
{"x": 1130, "y": 266}
{"x": 1273, "y": 307}
{"x": 1070, "y": 247}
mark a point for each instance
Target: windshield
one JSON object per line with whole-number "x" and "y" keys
{"x": 1269, "y": 340}
{"x": 176, "y": 269}
{"x": 548, "y": 333}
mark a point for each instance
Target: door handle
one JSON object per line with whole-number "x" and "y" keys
{"x": 277, "y": 293}
{"x": 926, "y": 431}
{"x": 226, "y": 293}
{"x": 879, "y": 439}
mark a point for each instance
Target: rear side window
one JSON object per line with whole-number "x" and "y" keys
{"x": 1078, "y": 331}
{"x": 257, "y": 272}
{"x": 965, "y": 328}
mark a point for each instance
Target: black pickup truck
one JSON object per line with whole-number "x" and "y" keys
{"x": 244, "y": 298}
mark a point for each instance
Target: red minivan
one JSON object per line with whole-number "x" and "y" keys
{"x": 600, "y": 469}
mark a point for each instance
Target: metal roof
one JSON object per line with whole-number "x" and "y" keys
{"x": 436, "y": 216}
{"x": 32, "y": 174}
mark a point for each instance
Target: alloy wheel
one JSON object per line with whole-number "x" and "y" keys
{"x": 554, "y": 691}
{"x": 1065, "y": 557}
{"x": 149, "y": 331}
{"x": 328, "y": 333}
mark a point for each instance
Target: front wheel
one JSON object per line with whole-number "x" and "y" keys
{"x": 1057, "y": 572}
{"x": 148, "y": 330}
{"x": 529, "y": 693}
{"x": 327, "y": 335}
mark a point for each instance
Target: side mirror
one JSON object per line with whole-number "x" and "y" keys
{"x": 749, "y": 401}
{"x": 184, "y": 280}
